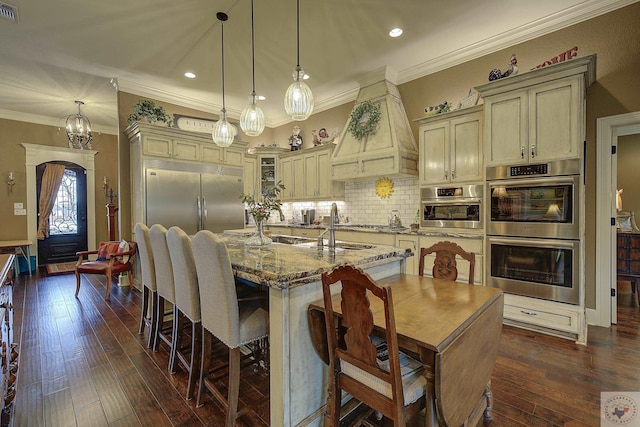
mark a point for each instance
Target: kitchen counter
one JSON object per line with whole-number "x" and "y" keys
{"x": 369, "y": 228}
{"x": 283, "y": 266}
{"x": 298, "y": 377}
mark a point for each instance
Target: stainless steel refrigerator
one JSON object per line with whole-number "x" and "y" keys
{"x": 194, "y": 197}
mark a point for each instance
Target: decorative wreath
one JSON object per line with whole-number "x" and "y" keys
{"x": 364, "y": 119}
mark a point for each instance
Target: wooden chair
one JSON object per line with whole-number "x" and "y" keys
{"x": 112, "y": 259}
{"x": 445, "y": 266}
{"x": 235, "y": 322}
{"x": 149, "y": 287}
{"x": 187, "y": 306}
{"x": 356, "y": 364}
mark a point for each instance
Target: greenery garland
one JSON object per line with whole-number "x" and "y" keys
{"x": 364, "y": 119}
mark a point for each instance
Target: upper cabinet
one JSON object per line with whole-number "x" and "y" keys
{"x": 268, "y": 171}
{"x": 537, "y": 116}
{"x": 176, "y": 144}
{"x": 306, "y": 175}
{"x": 451, "y": 147}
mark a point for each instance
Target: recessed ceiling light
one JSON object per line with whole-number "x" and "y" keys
{"x": 261, "y": 97}
{"x": 190, "y": 75}
{"x": 305, "y": 77}
{"x": 396, "y": 32}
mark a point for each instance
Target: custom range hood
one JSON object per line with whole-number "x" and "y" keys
{"x": 390, "y": 150}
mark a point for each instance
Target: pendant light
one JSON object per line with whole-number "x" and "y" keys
{"x": 223, "y": 132}
{"x": 252, "y": 117}
{"x": 298, "y": 101}
{"x": 79, "y": 130}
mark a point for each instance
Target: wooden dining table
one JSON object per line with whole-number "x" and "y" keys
{"x": 453, "y": 328}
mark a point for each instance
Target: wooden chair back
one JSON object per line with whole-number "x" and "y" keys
{"x": 445, "y": 265}
{"x": 350, "y": 342}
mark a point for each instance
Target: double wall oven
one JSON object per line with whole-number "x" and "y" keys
{"x": 533, "y": 229}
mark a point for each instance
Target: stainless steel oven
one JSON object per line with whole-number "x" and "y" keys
{"x": 541, "y": 268}
{"x": 457, "y": 206}
{"x": 540, "y": 200}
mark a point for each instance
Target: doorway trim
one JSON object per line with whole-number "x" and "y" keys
{"x": 37, "y": 154}
{"x": 608, "y": 131}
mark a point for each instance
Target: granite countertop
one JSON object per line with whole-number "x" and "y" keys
{"x": 367, "y": 228}
{"x": 286, "y": 266}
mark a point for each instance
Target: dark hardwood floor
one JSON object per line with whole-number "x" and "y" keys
{"x": 82, "y": 363}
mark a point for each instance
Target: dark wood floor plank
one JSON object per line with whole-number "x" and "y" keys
{"x": 91, "y": 415}
{"x": 29, "y": 410}
{"x": 130, "y": 421}
{"x": 58, "y": 409}
{"x": 30, "y": 367}
{"x": 83, "y": 390}
{"x": 115, "y": 403}
{"x": 93, "y": 350}
{"x": 147, "y": 409}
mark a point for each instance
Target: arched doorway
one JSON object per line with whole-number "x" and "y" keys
{"x": 38, "y": 154}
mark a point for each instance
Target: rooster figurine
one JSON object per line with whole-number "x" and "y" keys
{"x": 496, "y": 74}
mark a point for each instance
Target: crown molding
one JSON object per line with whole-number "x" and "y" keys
{"x": 50, "y": 121}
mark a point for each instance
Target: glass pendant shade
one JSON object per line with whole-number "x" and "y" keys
{"x": 223, "y": 132}
{"x": 79, "y": 130}
{"x": 252, "y": 119}
{"x": 298, "y": 100}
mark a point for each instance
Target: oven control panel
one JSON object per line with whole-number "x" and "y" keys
{"x": 539, "y": 169}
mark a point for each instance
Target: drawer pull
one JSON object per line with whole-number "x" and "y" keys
{"x": 529, "y": 313}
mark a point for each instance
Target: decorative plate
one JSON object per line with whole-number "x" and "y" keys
{"x": 384, "y": 187}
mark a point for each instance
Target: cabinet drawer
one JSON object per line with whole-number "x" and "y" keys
{"x": 186, "y": 150}
{"x": 546, "y": 317}
{"x": 157, "y": 147}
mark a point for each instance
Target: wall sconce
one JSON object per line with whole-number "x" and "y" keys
{"x": 108, "y": 192}
{"x": 11, "y": 182}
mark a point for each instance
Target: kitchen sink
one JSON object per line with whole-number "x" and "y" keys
{"x": 290, "y": 240}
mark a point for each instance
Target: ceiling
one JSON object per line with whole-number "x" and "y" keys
{"x": 66, "y": 50}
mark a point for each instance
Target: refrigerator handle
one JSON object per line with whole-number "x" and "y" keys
{"x": 205, "y": 213}
{"x": 199, "y": 213}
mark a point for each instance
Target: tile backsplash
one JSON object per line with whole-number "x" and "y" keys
{"x": 363, "y": 206}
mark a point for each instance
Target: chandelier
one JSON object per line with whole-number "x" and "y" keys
{"x": 79, "y": 130}
{"x": 298, "y": 101}
{"x": 223, "y": 132}
{"x": 252, "y": 117}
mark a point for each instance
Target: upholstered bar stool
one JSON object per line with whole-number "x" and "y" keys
{"x": 233, "y": 322}
{"x": 164, "y": 284}
{"x": 149, "y": 294}
{"x": 186, "y": 307}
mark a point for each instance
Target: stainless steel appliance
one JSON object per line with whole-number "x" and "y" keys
{"x": 533, "y": 230}
{"x": 457, "y": 207}
{"x": 194, "y": 197}
{"x": 540, "y": 200}
{"x": 541, "y": 268}
{"x": 308, "y": 216}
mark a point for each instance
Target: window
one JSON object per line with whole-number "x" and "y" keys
{"x": 64, "y": 216}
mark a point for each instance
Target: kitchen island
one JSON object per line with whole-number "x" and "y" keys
{"x": 298, "y": 378}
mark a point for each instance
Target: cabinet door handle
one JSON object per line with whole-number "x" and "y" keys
{"x": 522, "y": 151}
{"x": 446, "y": 174}
{"x": 533, "y": 150}
{"x": 453, "y": 174}
{"x": 529, "y": 313}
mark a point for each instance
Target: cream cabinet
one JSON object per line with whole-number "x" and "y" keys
{"x": 553, "y": 318}
{"x": 409, "y": 241}
{"x": 305, "y": 174}
{"x": 292, "y": 175}
{"x": 472, "y": 243}
{"x": 364, "y": 237}
{"x": 451, "y": 147}
{"x": 537, "y": 116}
{"x": 170, "y": 143}
{"x": 317, "y": 177}
{"x": 268, "y": 171}
{"x": 249, "y": 169}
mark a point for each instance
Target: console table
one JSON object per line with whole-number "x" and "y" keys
{"x": 628, "y": 258}
{"x": 19, "y": 247}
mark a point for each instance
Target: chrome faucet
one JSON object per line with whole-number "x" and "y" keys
{"x": 332, "y": 224}
{"x": 333, "y": 217}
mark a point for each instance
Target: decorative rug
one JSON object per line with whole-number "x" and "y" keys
{"x": 61, "y": 268}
